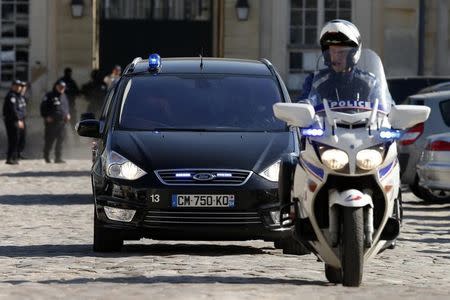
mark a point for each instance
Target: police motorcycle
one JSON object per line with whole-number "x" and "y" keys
{"x": 342, "y": 191}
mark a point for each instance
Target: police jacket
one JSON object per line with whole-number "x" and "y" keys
{"x": 11, "y": 111}
{"x": 340, "y": 86}
{"x": 55, "y": 105}
{"x": 22, "y": 107}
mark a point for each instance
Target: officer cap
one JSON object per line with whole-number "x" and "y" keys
{"x": 61, "y": 83}
{"x": 17, "y": 82}
{"x": 23, "y": 83}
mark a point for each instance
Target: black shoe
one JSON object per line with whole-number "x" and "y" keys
{"x": 47, "y": 160}
{"x": 12, "y": 162}
{"x": 59, "y": 161}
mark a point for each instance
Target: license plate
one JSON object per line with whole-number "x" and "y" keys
{"x": 186, "y": 200}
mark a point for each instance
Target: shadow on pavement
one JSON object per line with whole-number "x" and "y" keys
{"x": 427, "y": 218}
{"x": 47, "y": 174}
{"x": 180, "y": 279}
{"x": 427, "y": 208}
{"x": 427, "y": 240}
{"x": 46, "y": 199}
{"x": 425, "y": 204}
{"x": 189, "y": 249}
{"x": 80, "y": 250}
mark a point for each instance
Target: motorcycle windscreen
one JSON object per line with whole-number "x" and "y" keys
{"x": 351, "y": 82}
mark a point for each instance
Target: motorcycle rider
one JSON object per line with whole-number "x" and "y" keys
{"x": 340, "y": 42}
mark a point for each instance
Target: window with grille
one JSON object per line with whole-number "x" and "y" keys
{"x": 158, "y": 10}
{"x": 306, "y": 20}
{"x": 14, "y": 41}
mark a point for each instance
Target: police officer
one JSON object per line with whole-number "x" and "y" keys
{"x": 13, "y": 121}
{"x": 340, "y": 42}
{"x": 72, "y": 91}
{"x": 22, "y": 108}
{"x": 55, "y": 111}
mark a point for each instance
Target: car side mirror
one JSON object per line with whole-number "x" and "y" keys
{"x": 88, "y": 128}
{"x": 406, "y": 116}
{"x": 295, "y": 114}
{"x": 87, "y": 116}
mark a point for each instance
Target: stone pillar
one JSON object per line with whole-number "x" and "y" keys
{"x": 274, "y": 33}
{"x": 441, "y": 49}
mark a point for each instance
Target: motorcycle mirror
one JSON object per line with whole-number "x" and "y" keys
{"x": 406, "y": 116}
{"x": 295, "y": 114}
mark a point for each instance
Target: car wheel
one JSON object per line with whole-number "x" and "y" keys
{"x": 105, "y": 240}
{"x": 417, "y": 190}
{"x": 292, "y": 246}
{"x": 436, "y": 195}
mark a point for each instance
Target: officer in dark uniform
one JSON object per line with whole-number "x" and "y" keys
{"x": 22, "y": 108}
{"x": 13, "y": 121}
{"x": 55, "y": 111}
{"x": 340, "y": 42}
{"x": 72, "y": 92}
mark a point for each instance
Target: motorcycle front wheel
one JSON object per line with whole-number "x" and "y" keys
{"x": 352, "y": 245}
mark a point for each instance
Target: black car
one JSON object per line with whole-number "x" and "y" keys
{"x": 189, "y": 149}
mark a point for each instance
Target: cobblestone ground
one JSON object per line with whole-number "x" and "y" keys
{"x": 45, "y": 252}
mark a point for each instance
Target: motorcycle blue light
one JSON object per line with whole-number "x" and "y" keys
{"x": 154, "y": 62}
{"x": 390, "y": 134}
{"x": 312, "y": 132}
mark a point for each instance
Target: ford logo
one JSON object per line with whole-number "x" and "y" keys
{"x": 203, "y": 176}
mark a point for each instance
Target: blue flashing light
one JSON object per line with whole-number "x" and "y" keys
{"x": 390, "y": 134}
{"x": 154, "y": 62}
{"x": 183, "y": 175}
{"x": 312, "y": 132}
{"x": 224, "y": 175}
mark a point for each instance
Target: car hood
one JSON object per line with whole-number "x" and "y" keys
{"x": 221, "y": 150}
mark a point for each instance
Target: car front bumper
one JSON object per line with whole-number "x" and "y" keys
{"x": 434, "y": 176}
{"x": 250, "y": 218}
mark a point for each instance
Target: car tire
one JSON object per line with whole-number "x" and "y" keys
{"x": 436, "y": 196}
{"x": 417, "y": 190}
{"x": 292, "y": 246}
{"x": 105, "y": 240}
{"x": 429, "y": 195}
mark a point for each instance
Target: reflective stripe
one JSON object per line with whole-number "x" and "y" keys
{"x": 320, "y": 81}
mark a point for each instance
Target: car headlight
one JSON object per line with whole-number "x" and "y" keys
{"x": 119, "y": 167}
{"x": 271, "y": 173}
{"x": 334, "y": 159}
{"x": 368, "y": 159}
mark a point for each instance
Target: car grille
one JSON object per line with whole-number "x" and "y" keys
{"x": 162, "y": 217}
{"x": 203, "y": 177}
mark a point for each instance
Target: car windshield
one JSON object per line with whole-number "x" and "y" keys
{"x": 200, "y": 102}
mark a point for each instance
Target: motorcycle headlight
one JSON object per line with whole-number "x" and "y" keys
{"x": 119, "y": 167}
{"x": 368, "y": 159}
{"x": 334, "y": 159}
{"x": 271, "y": 173}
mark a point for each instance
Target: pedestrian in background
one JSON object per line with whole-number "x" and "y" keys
{"x": 94, "y": 91}
{"x": 13, "y": 121}
{"x": 72, "y": 92}
{"x": 22, "y": 108}
{"x": 55, "y": 111}
{"x": 113, "y": 76}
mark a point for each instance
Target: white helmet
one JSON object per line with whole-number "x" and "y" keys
{"x": 341, "y": 33}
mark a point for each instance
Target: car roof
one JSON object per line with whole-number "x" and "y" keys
{"x": 432, "y": 96}
{"x": 443, "y": 86}
{"x": 210, "y": 66}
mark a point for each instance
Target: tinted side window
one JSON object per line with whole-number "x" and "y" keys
{"x": 445, "y": 111}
